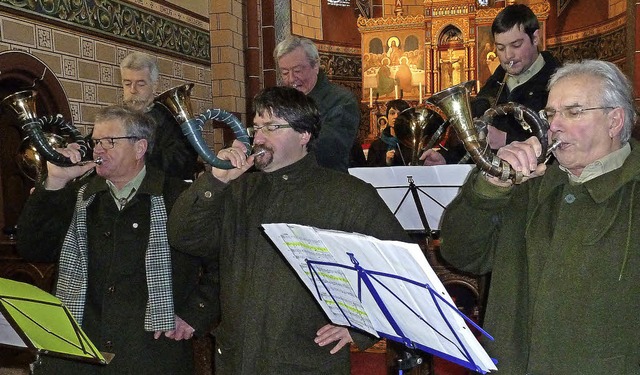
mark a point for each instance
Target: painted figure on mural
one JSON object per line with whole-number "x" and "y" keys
{"x": 395, "y": 51}
{"x": 386, "y": 84}
{"x": 403, "y": 75}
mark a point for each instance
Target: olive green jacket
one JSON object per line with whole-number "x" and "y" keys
{"x": 565, "y": 268}
{"x": 268, "y": 317}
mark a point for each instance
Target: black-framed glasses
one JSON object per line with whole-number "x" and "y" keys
{"x": 270, "y": 128}
{"x": 569, "y": 113}
{"x": 108, "y": 143}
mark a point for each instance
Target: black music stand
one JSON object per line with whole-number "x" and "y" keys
{"x": 417, "y": 195}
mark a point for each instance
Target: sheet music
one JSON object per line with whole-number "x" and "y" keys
{"x": 437, "y": 186}
{"x": 8, "y": 335}
{"x": 391, "y": 292}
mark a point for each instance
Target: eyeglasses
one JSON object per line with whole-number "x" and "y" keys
{"x": 107, "y": 143}
{"x": 270, "y": 128}
{"x": 569, "y": 113}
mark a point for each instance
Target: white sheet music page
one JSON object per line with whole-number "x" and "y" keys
{"x": 436, "y": 187}
{"x": 381, "y": 287}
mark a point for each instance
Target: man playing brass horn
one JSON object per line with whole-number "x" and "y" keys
{"x": 521, "y": 78}
{"x": 270, "y": 323}
{"x": 173, "y": 154}
{"x": 562, "y": 245}
{"x": 116, "y": 272}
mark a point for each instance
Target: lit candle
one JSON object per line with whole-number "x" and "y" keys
{"x": 420, "y": 91}
{"x": 371, "y": 97}
{"x": 396, "y": 89}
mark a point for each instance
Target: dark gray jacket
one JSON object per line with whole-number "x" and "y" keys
{"x": 268, "y": 317}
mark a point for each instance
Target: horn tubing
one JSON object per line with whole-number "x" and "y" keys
{"x": 23, "y": 104}
{"x": 454, "y": 102}
{"x": 192, "y": 129}
{"x": 177, "y": 101}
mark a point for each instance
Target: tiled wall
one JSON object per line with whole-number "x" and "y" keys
{"x": 227, "y": 55}
{"x": 88, "y": 67}
{"x": 306, "y": 18}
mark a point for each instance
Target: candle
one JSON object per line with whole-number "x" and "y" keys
{"x": 371, "y": 97}
{"x": 396, "y": 90}
{"x": 420, "y": 91}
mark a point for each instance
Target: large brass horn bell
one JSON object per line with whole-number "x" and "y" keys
{"x": 455, "y": 103}
{"x": 177, "y": 101}
{"x": 23, "y": 104}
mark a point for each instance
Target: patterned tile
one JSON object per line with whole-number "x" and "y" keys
{"x": 177, "y": 69}
{"x": 69, "y": 67}
{"x": 75, "y": 111}
{"x": 88, "y": 49}
{"x": 45, "y": 41}
{"x": 89, "y": 90}
{"x": 106, "y": 73}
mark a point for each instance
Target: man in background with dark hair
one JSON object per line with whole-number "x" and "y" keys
{"x": 270, "y": 323}
{"x": 521, "y": 78}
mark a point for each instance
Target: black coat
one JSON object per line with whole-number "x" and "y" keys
{"x": 532, "y": 94}
{"x": 340, "y": 117}
{"x": 172, "y": 151}
{"x": 117, "y": 291}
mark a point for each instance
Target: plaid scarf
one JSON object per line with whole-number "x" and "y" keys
{"x": 71, "y": 287}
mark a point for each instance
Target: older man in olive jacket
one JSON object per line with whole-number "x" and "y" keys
{"x": 270, "y": 323}
{"x": 562, "y": 247}
{"x": 116, "y": 273}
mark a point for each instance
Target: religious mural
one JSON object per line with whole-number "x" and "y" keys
{"x": 393, "y": 65}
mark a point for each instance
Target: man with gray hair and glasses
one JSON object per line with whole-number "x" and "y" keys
{"x": 117, "y": 274}
{"x": 173, "y": 154}
{"x": 561, "y": 245}
{"x": 298, "y": 62}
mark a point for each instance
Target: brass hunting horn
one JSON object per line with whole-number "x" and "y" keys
{"x": 38, "y": 144}
{"x": 177, "y": 101}
{"x": 454, "y": 102}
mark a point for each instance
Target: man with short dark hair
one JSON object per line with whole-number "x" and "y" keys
{"x": 521, "y": 78}
{"x": 270, "y": 323}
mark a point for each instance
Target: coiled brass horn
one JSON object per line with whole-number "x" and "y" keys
{"x": 177, "y": 101}
{"x": 454, "y": 102}
{"x": 427, "y": 128}
{"x": 23, "y": 104}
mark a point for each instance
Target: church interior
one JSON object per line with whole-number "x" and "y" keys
{"x": 69, "y": 52}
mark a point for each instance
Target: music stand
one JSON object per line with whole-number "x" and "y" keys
{"x": 417, "y": 195}
{"x": 34, "y": 320}
{"x": 386, "y": 288}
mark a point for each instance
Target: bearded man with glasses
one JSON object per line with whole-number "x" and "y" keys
{"x": 117, "y": 273}
{"x": 562, "y": 244}
{"x": 269, "y": 322}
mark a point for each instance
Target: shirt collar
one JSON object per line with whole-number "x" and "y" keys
{"x": 126, "y": 189}
{"x": 515, "y": 81}
{"x": 601, "y": 166}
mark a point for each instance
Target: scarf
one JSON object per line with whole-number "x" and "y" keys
{"x": 71, "y": 286}
{"x": 389, "y": 140}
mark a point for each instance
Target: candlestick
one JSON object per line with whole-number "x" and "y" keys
{"x": 420, "y": 90}
{"x": 370, "y": 97}
{"x": 396, "y": 90}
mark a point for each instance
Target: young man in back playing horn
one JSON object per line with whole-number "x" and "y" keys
{"x": 521, "y": 78}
